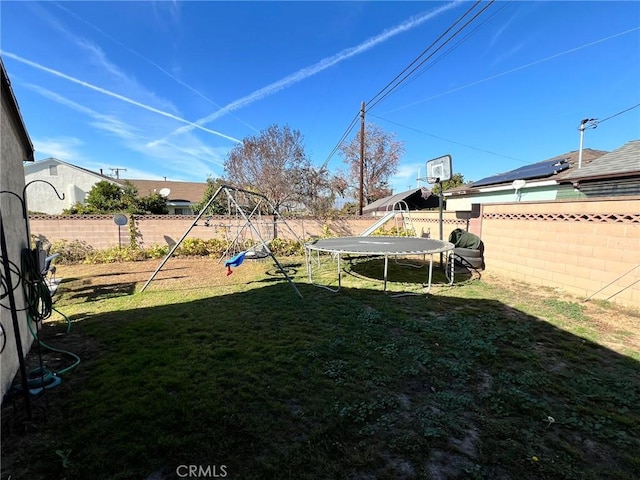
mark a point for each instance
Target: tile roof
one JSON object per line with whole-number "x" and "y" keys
{"x": 192, "y": 192}
{"x": 623, "y": 161}
{"x": 38, "y": 163}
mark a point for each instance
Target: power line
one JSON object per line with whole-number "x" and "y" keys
{"x": 450, "y": 141}
{"x": 597, "y": 122}
{"x": 372, "y": 104}
{"x": 456, "y": 45}
{"x": 342, "y": 139}
{"x": 512, "y": 70}
{"x": 388, "y": 85}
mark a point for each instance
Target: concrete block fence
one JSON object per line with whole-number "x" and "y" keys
{"x": 583, "y": 247}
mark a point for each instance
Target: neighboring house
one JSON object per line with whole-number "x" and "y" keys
{"x": 181, "y": 196}
{"x": 612, "y": 175}
{"x": 70, "y": 181}
{"x": 75, "y": 183}
{"x": 15, "y": 148}
{"x": 538, "y": 181}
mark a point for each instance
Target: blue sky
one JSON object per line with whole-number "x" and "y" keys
{"x": 166, "y": 89}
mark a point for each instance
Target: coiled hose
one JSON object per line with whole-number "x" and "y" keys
{"x": 39, "y": 308}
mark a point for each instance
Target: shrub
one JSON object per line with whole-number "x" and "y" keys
{"x": 216, "y": 247}
{"x": 116, "y": 254}
{"x": 157, "y": 251}
{"x": 75, "y": 251}
{"x": 286, "y": 248}
{"x": 78, "y": 251}
{"x": 191, "y": 247}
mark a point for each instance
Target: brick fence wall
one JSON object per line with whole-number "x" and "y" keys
{"x": 578, "y": 246}
{"x": 101, "y": 232}
{"x": 581, "y": 246}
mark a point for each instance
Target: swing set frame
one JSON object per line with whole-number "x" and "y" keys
{"x": 231, "y": 193}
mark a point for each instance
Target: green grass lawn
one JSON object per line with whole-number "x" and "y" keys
{"x": 476, "y": 380}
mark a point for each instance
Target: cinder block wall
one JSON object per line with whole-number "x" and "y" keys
{"x": 98, "y": 231}
{"x": 578, "y": 246}
{"x": 101, "y": 232}
{"x": 581, "y": 247}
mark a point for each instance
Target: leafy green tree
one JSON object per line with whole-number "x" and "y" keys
{"x": 154, "y": 204}
{"x": 349, "y": 208}
{"x": 457, "y": 180}
{"x": 105, "y": 197}
{"x": 219, "y": 206}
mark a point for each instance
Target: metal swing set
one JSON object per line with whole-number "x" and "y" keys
{"x": 259, "y": 247}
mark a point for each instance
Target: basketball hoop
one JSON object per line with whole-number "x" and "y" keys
{"x": 439, "y": 169}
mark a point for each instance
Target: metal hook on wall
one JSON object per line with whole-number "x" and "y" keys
{"x": 24, "y": 190}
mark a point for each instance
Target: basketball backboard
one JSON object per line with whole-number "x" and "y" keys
{"x": 439, "y": 169}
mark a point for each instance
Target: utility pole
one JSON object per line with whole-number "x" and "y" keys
{"x": 583, "y": 125}
{"x": 117, "y": 171}
{"x": 361, "y": 189}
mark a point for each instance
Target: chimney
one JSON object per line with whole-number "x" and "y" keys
{"x": 101, "y": 172}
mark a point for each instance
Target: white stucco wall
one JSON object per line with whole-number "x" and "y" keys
{"x": 12, "y": 154}
{"x": 74, "y": 183}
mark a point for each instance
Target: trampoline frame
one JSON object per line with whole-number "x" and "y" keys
{"x": 345, "y": 245}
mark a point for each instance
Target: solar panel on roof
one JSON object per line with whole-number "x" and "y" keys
{"x": 528, "y": 172}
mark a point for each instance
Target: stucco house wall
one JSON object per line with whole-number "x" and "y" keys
{"x": 15, "y": 148}
{"x": 71, "y": 182}
{"x": 540, "y": 193}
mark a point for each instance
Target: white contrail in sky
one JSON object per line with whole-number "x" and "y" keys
{"x": 149, "y": 61}
{"x": 313, "y": 69}
{"x": 114, "y": 95}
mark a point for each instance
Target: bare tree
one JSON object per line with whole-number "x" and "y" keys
{"x": 272, "y": 163}
{"x": 317, "y": 191}
{"x": 381, "y": 157}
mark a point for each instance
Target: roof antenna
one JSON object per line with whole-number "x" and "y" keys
{"x": 117, "y": 171}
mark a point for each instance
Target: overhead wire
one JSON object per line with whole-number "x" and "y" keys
{"x": 512, "y": 70}
{"x": 450, "y": 141}
{"x": 342, "y": 139}
{"x": 372, "y": 103}
{"x": 390, "y": 87}
{"x": 597, "y": 122}
{"x": 457, "y": 44}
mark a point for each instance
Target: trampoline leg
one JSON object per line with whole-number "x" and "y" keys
{"x": 452, "y": 259}
{"x": 430, "y": 273}
{"x": 386, "y": 265}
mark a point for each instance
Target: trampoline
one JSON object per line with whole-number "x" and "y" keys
{"x": 375, "y": 246}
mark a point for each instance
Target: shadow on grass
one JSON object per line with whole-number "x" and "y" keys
{"x": 347, "y": 385}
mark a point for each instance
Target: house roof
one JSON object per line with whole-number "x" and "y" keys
{"x": 555, "y": 168}
{"x": 415, "y": 199}
{"x": 50, "y": 160}
{"x": 7, "y": 92}
{"x": 191, "y": 192}
{"x": 622, "y": 162}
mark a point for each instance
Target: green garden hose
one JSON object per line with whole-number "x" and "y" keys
{"x": 40, "y": 307}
